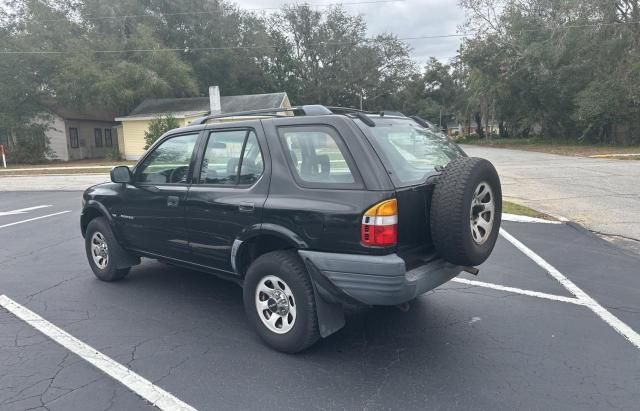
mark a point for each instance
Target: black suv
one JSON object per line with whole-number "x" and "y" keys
{"x": 307, "y": 212}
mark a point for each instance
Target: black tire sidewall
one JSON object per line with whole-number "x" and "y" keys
{"x": 483, "y": 172}
{"x": 289, "y": 267}
{"x": 110, "y": 272}
{"x": 450, "y": 208}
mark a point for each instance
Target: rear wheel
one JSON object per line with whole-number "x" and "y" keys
{"x": 279, "y": 301}
{"x": 100, "y": 246}
{"x": 466, "y": 210}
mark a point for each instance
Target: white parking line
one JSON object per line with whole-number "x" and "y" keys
{"x": 530, "y": 293}
{"x": 136, "y": 383}
{"x": 622, "y": 328}
{"x": 525, "y": 219}
{"x": 22, "y": 210}
{"x": 34, "y": 219}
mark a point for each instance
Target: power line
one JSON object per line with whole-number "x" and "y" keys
{"x": 190, "y": 49}
{"x": 194, "y": 49}
{"x": 187, "y": 13}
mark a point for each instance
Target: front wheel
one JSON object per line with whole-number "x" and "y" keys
{"x": 100, "y": 246}
{"x": 279, "y": 301}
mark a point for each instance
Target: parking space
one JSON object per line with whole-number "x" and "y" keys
{"x": 496, "y": 341}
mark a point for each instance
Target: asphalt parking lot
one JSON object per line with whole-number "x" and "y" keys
{"x": 550, "y": 325}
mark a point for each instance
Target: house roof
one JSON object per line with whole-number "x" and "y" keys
{"x": 86, "y": 113}
{"x": 195, "y": 106}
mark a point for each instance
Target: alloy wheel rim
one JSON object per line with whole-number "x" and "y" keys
{"x": 275, "y": 304}
{"x": 482, "y": 213}
{"x": 99, "y": 250}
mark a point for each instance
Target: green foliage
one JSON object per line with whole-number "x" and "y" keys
{"x": 115, "y": 155}
{"x": 158, "y": 127}
{"x": 567, "y": 69}
{"x": 559, "y": 68}
{"x": 26, "y": 145}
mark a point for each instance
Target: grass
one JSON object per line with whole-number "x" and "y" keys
{"x": 561, "y": 147}
{"x": 512, "y": 208}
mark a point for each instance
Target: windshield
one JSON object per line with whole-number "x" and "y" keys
{"x": 410, "y": 152}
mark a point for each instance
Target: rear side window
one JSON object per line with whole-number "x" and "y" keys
{"x": 232, "y": 157}
{"x": 317, "y": 155}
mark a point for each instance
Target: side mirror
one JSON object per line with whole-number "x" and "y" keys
{"x": 121, "y": 174}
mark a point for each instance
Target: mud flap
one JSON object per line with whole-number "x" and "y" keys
{"x": 330, "y": 313}
{"x": 124, "y": 258}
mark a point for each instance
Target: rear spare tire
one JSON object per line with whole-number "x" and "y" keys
{"x": 466, "y": 211}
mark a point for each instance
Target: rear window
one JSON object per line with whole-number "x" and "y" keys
{"x": 409, "y": 151}
{"x": 317, "y": 155}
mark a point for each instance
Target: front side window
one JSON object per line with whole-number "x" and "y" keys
{"x": 73, "y": 138}
{"x": 317, "y": 155}
{"x": 98, "y": 135}
{"x": 169, "y": 162}
{"x": 108, "y": 137}
{"x": 231, "y": 157}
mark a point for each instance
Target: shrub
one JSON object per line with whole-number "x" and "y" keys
{"x": 27, "y": 145}
{"x": 158, "y": 127}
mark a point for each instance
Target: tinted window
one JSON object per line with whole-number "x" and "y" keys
{"x": 169, "y": 162}
{"x": 223, "y": 154}
{"x": 411, "y": 152}
{"x": 317, "y": 154}
{"x": 252, "y": 162}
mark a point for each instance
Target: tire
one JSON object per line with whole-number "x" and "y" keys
{"x": 301, "y": 327}
{"x": 106, "y": 269}
{"x": 463, "y": 230}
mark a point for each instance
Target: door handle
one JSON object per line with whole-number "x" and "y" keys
{"x": 173, "y": 201}
{"x": 245, "y": 207}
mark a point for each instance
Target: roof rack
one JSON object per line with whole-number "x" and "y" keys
{"x": 424, "y": 123}
{"x": 308, "y": 110}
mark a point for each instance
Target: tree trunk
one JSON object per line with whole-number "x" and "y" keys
{"x": 479, "y": 128}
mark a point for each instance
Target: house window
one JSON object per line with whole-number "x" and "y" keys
{"x": 108, "y": 138}
{"x": 73, "y": 138}
{"x": 98, "y": 135}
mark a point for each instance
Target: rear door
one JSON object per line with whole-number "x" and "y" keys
{"x": 325, "y": 176}
{"x": 230, "y": 188}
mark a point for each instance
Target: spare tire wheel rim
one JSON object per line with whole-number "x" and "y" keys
{"x": 481, "y": 214}
{"x": 99, "y": 250}
{"x": 275, "y": 304}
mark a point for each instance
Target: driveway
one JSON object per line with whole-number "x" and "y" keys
{"x": 603, "y": 195}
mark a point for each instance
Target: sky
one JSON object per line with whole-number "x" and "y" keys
{"x": 404, "y": 18}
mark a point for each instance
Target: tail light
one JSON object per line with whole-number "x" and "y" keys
{"x": 380, "y": 224}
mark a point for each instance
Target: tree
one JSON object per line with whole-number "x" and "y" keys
{"x": 325, "y": 57}
{"x": 157, "y": 127}
{"x": 562, "y": 69}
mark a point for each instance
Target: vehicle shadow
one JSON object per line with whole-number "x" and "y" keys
{"x": 211, "y": 301}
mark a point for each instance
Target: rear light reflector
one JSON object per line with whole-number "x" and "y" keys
{"x": 380, "y": 224}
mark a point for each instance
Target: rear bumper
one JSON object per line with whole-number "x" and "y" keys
{"x": 374, "y": 280}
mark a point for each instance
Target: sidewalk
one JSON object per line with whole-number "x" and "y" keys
{"x": 63, "y": 168}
